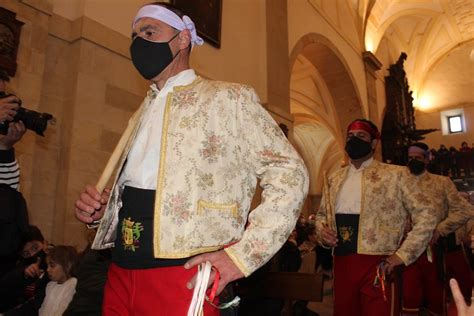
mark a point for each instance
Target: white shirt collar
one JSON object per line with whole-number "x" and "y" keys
{"x": 183, "y": 78}
{"x": 363, "y": 166}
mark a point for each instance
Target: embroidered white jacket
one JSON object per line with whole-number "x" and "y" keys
{"x": 388, "y": 197}
{"x": 217, "y": 140}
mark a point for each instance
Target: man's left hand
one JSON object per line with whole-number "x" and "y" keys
{"x": 221, "y": 261}
{"x": 390, "y": 263}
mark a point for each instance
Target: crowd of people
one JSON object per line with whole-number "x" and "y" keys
{"x": 37, "y": 278}
{"x": 44, "y": 279}
{"x": 452, "y": 162}
{"x": 174, "y": 234}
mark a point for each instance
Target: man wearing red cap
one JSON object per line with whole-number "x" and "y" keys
{"x": 186, "y": 169}
{"x": 423, "y": 281}
{"x": 362, "y": 215}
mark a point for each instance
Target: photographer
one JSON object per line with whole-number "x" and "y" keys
{"x": 9, "y": 170}
{"x": 14, "y": 214}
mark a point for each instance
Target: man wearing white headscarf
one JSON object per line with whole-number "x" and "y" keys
{"x": 186, "y": 171}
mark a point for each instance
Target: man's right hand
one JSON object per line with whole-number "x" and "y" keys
{"x": 91, "y": 204}
{"x": 328, "y": 236}
{"x": 8, "y": 108}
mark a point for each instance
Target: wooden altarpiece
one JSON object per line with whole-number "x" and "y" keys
{"x": 399, "y": 128}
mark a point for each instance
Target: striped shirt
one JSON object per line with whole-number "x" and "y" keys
{"x": 9, "y": 169}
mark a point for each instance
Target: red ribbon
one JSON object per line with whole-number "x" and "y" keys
{"x": 380, "y": 279}
{"x": 212, "y": 295}
{"x": 360, "y": 125}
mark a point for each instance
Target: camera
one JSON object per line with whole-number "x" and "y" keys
{"x": 35, "y": 121}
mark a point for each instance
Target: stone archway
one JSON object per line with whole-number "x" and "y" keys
{"x": 323, "y": 101}
{"x": 334, "y": 70}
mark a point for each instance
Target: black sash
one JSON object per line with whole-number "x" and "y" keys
{"x": 134, "y": 244}
{"x": 347, "y": 232}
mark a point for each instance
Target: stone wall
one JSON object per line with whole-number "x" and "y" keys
{"x": 80, "y": 72}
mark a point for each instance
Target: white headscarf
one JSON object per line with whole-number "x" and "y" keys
{"x": 169, "y": 17}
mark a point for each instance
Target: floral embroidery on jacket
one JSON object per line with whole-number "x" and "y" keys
{"x": 178, "y": 206}
{"x": 370, "y": 235}
{"x": 272, "y": 155}
{"x": 374, "y": 176}
{"x": 205, "y": 180}
{"x": 290, "y": 178}
{"x": 184, "y": 98}
{"x": 188, "y": 122}
{"x": 422, "y": 198}
{"x": 213, "y": 148}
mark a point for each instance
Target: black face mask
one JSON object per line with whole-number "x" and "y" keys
{"x": 151, "y": 58}
{"x": 416, "y": 167}
{"x": 356, "y": 148}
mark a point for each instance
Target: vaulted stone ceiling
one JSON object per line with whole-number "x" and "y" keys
{"x": 438, "y": 36}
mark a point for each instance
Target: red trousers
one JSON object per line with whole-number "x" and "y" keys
{"x": 422, "y": 286}
{"x": 354, "y": 290}
{"x": 457, "y": 267}
{"x": 153, "y": 292}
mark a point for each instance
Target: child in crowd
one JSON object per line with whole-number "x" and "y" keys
{"x": 91, "y": 277}
{"x": 22, "y": 288}
{"x": 62, "y": 262}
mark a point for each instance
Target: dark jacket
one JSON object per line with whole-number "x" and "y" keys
{"x": 13, "y": 221}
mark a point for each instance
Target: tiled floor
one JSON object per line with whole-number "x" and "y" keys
{"x": 325, "y": 307}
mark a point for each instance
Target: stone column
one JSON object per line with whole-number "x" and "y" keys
{"x": 372, "y": 65}
{"x": 278, "y": 69}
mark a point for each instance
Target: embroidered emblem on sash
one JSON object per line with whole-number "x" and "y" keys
{"x": 131, "y": 234}
{"x": 346, "y": 233}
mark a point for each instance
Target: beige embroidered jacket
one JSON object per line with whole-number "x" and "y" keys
{"x": 387, "y": 199}
{"x": 217, "y": 140}
{"x": 453, "y": 210}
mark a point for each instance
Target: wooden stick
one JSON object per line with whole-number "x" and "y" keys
{"x": 113, "y": 160}
{"x": 327, "y": 201}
